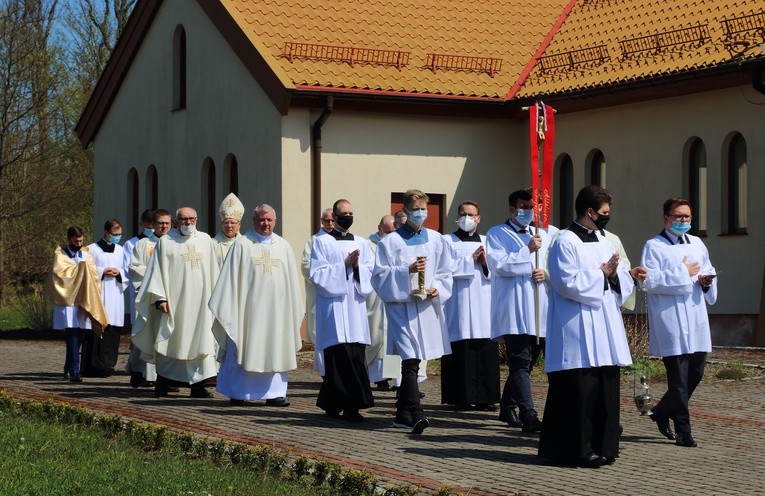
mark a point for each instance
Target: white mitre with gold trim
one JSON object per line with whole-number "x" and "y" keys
{"x": 231, "y": 208}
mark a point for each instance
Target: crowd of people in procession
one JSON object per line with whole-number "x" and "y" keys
{"x": 226, "y": 312}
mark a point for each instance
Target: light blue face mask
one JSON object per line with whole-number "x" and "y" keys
{"x": 115, "y": 239}
{"x": 680, "y": 228}
{"x": 418, "y": 217}
{"x": 148, "y": 232}
{"x": 525, "y": 216}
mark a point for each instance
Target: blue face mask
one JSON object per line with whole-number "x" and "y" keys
{"x": 115, "y": 239}
{"x": 680, "y": 228}
{"x": 525, "y": 216}
{"x": 148, "y": 232}
{"x": 418, "y": 217}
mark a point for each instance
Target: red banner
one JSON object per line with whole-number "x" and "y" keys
{"x": 542, "y": 135}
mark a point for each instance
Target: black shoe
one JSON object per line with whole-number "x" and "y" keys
{"x": 420, "y": 425}
{"x": 663, "y": 424}
{"x": 353, "y": 416}
{"x": 67, "y": 376}
{"x": 235, "y": 402}
{"x": 160, "y": 391}
{"x": 403, "y": 420}
{"x": 593, "y": 460}
{"x": 422, "y": 395}
{"x": 136, "y": 380}
{"x": 75, "y": 378}
{"x": 200, "y": 392}
{"x": 150, "y": 384}
{"x": 462, "y": 407}
{"x": 383, "y": 385}
{"x": 532, "y": 424}
{"x": 333, "y": 414}
{"x": 685, "y": 440}
{"x": 485, "y": 407}
{"x": 510, "y": 416}
{"x": 281, "y": 402}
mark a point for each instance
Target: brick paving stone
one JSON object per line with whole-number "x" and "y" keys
{"x": 469, "y": 451}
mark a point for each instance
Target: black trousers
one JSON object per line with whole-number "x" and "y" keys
{"x": 684, "y": 373}
{"x": 99, "y": 354}
{"x": 345, "y": 385}
{"x": 409, "y": 391}
{"x": 522, "y": 354}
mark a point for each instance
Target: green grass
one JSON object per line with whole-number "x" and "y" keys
{"x": 10, "y": 319}
{"x": 43, "y": 458}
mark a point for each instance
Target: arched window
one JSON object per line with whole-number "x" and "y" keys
{"x": 132, "y": 201}
{"x": 597, "y": 168}
{"x": 564, "y": 181}
{"x": 735, "y": 187}
{"x": 152, "y": 188}
{"x": 209, "y": 205}
{"x": 697, "y": 185}
{"x": 231, "y": 174}
{"x": 179, "y": 68}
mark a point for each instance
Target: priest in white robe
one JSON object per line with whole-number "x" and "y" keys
{"x": 327, "y": 224}
{"x": 100, "y": 352}
{"x": 341, "y": 269}
{"x": 470, "y": 375}
{"x": 231, "y": 211}
{"x": 258, "y": 310}
{"x": 178, "y": 285}
{"x": 517, "y": 253}
{"x": 143, "y": 373}
{"x": 681, "y": 283}
{"x": 147, "y": 229}
{"x": 416, "y": 324}
{"x": 586, "y": 342}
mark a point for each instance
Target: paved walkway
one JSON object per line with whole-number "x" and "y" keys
{"x": 471, "y": 451}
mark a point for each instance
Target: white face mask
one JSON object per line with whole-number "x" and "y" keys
{"x": 467, "y": 223}
{"x": 188, "y": 230}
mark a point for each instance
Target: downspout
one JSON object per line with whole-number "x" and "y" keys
{"x": 757, "y": 82}
{"x": 316, "y": 166}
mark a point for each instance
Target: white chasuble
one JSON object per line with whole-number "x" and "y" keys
{"x": 222, "y": 244}
{"x": 416, "y": 327}
{"x": 139, "y": 259}
{"x": 678, "y": 322}
{"x": 182, "y": 272}
{"x": 585, "y": 327}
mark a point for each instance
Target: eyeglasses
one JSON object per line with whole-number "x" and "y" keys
{"x": 680, "y": 216}
{"x": 184, "y": 219}
{"x": 328, "y": 220}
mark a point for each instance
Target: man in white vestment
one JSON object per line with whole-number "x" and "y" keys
{"x": 517, "y": 254}
{"x": 231, "y": 212}
{"x": 327, "y": 224}
{"x": 586, "y": 342}
{"x": 380, "y": 365}
{"x": 147, "y": 229}
{"x": 341, "y": 269}
{"x": 258, "y": 310}
{"x": 176, "y": 288}
{"x": 75, "y": 289}
{"x": 416, "y": 324}
{"x": 681, "y": 283}
{"x": 100, "y": 353}
{"x": 470, "y": 375}
{"x": 143, "y": 373}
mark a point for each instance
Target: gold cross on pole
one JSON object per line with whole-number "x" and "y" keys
{"x": 193, "y": 256}
{"x": 266, "y": 261}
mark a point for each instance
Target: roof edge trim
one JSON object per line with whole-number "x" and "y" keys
{"x": 313, "y": 89}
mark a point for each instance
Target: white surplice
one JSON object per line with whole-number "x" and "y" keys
{"x": 140, "y": 256}
{"x": 585, "y": 327}
{"x": 258, "y": 307}
{"x": 512, "y": 288}
{"x": 416, "y": 328}
{"x": 678, "y": 322}
{"x": 341, "y": 311}
{"x": 468, "y": 311}
{"x": 181, "y": 272}
{"x": 222, "y": 245}
{"x": 65, "y": 317}
{"x": 623, "y": 260}
{"x": 112, "y": 287}
{"x": 127, "y": 252}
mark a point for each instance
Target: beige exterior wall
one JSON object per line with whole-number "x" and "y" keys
{"x": 644, "y": 147}
{"x": 226, "y": 113}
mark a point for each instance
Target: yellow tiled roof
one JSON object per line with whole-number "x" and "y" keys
{"x": 604, "y": 42}
{"x": 510, "y": 30}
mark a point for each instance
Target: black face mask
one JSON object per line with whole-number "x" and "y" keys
{"x": 601, "y": 221}
{"x": 344, "y": 222}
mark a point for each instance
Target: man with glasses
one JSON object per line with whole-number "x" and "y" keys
{"x": 680, "y": 283}
{"x": 176, "y": 288}
{"x": 327, "y": 224}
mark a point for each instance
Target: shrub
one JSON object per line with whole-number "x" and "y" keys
{"x": 36, "y": 311}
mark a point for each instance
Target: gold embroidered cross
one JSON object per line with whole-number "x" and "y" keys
{"x": 266, "y": 261}
{"x": 193, "y": 256}
{"x": 230, "y": 202}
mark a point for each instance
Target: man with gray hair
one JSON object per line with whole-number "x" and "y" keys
{"x": 178, "y": 283}
{"x": 258, "y": 310}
